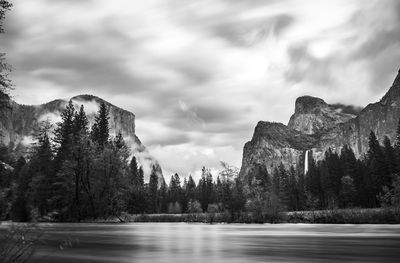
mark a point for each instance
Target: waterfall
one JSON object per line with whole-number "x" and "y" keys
{"x": 306, "y": 163}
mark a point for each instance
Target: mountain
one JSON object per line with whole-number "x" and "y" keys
{"x": 316, "y": 126}
{"x": 18, "y": 124}
{"x": 314, "y": 116}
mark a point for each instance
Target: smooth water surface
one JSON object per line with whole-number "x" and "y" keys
{"x": 182, "y": 242}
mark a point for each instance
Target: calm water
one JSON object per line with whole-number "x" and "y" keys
{"x": 181, "y": 242}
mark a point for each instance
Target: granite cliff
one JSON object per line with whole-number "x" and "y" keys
{"x": 18, "y": 124}
{"x": 316, "y": 126}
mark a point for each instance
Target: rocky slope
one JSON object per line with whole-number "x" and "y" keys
{"x": 19, "y": 122}
{"x": 316, "y": 126}
{"x": 314, "y": 116}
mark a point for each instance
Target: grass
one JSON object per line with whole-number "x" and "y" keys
{"x": 346, "y": 216}
{"x": 334, "y": 216}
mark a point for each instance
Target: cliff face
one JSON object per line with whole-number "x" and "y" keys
{"x": 314, "y": 116}
{"x": 273, "y": 142}
{"x": 19, "y": 122}
{"x": 316, "y": 126}
{"x": 381, "y": 117}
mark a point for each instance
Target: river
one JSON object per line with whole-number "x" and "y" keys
{"x": 189, "y": 243}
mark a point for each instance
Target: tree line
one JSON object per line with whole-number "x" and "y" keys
{"x": 80, "y": 173}
{"x": 339, "y": 180}
{"x": 75, "y": 172}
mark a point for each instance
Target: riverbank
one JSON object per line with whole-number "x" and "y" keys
{"x": 335, "y": 216}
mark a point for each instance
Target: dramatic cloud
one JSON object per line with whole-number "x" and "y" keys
{"x": 199, "y": 75}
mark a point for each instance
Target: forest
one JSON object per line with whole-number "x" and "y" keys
{"x": 76, "y": 172}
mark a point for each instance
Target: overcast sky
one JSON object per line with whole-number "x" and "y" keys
{"x": 199, "y": 75}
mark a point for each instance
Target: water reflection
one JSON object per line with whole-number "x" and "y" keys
{"x": 181, "y": 242}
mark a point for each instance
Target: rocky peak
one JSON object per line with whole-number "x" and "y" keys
{"x": 318, "y": 126}
{"x": 309, "y": 104}
{"x": 314, "y": 116}
{"x": 393, "y": 95}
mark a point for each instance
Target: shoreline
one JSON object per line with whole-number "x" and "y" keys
{"x": 334, "y": 216}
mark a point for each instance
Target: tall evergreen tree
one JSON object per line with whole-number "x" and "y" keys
{"x": 140, "y": 180}
{"x": 331, "y": 173}
{"x": 133, "y": 172}
{"x": 174, "y": 189}
{"x": 293, "y": 198}
{"x": 184, "y": 201}
{"x": 80, "y": 158}
{"x": 63, "y": 136}
{"x": 42, "y": 172}
{"x": 100, "y": 129}
{"x": 313, "y": 188}
{"x": 238, "y": 200}
{"x": 191, "y": 188}
{"x": 163, "y": 197}
{"x": 153, "y": 187}
{"x": 376, "y": 163}
{"x": 390, "y": 167}
{"x": 284, "y": 186}
{"x": 351, "y": 169}
{"x": 80, "y": 124}
{"x": 205, "y": 189}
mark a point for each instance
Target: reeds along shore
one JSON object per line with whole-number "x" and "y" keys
{"x": 334, "y": 216}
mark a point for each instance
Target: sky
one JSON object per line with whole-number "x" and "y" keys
{"x": 199, "y": 75}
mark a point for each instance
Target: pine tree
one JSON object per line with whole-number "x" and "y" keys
{"x": 138, "y": 196}
{"x": 133, "y": 172}
{"x": 205, "y": 189}
{"x": 63, "y": 136}
{"x": 42, "y": 172}
{"x": 140, "y": 181}
{"x": 80, "y": 159}
{"x": 100, "y": 129}
{"x": 376, "y": 163}
{"x": 80, "y": 124}
{"x": 62, "y": 193}
{"x": 284, "y": 187}
{"x": 184, "y": 201}
{"x": 390, "y": 167}
{"x": 111, "y": 186}
{"x": 293, "y": 198}
{"x": 163, "y": 197}
{"x": 351, "y": 169}
{"x": 85, "y": 177}
{"x": 238, "y": 200}
{"x": 347, "y": 192}
{"x": 331, "y": 173}
{"x": 174, "y": 189}
{"x": 20, "y": 211}
{"x": 313, "y": 188}
{"x": 219, "y": 195}
{"x": 153, "y": 186}
{"x": 191, "y": 188}
{"x": 226, "y": 194}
